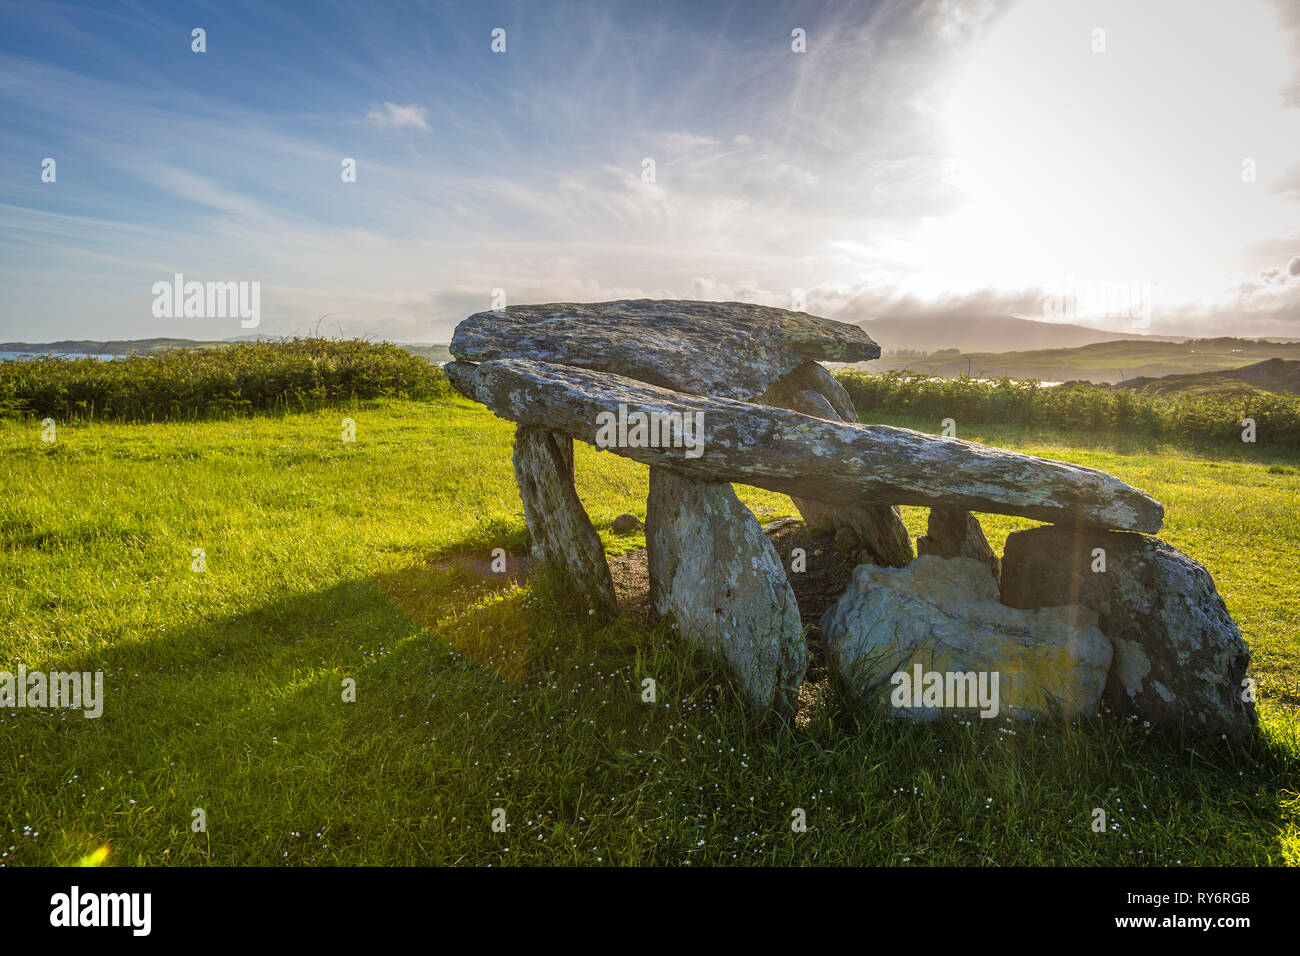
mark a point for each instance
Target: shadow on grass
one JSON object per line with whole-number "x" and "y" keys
{"x": 480, "y": 687}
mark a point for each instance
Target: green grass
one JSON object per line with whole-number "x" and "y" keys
{"x": 329, "y": 560}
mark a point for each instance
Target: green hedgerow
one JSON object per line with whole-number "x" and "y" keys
{"x": 289, "y": 375}
{"x": 1075, "y": 407}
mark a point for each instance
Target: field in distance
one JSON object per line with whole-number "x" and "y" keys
{"x": 1102, "y": 362}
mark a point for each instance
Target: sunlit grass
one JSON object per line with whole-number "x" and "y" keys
{"x": 329, "y": 561}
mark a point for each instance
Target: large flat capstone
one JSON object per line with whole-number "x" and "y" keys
{"x": 811, "y": 457}
{"x": 732, "y": 349}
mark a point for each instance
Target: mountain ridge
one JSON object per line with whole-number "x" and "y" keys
{"x": 1271, "y": 375}
{"x": 991, "y": 333}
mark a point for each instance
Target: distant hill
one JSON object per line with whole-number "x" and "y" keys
{"x": 430, "y": 352}
{"x": 994, "y": 333}
{"x": 96, "y": 347}
{"x": 1271, "y": 375}
{"x": 1102, "y": 362}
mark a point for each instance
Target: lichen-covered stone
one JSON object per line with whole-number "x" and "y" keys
{"x": 825, "y": 396}
{"x": 562, "y": 533}
{"x": 1180, "y": 661}
{"x": 957, "y": 534}
{"x": 811, "y": 457}
{"x": 732, "y": 349}
{"x": 944, "y": 615}
{"x": 715, "y": 571}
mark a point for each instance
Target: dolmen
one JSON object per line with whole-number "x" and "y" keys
{"x": 1085, "y": 613}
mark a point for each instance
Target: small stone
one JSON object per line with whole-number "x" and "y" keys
{"x": 781, "y": 525}
{"x": 626, "y": 524}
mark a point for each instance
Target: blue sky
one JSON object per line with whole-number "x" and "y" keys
{"x": 927, "y": 158}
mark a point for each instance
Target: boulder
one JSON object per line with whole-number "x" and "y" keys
{"x": 714, "y": 570}
{"x": 562, "y": 533}
{"x": 732, "y": 349}
{"x": 811, "y": 457}
{"x": 873, "y": 533}
{"x": 942, "y": 617}
{"x": 1180, "y": 661}
{"x": 957, "y": 534}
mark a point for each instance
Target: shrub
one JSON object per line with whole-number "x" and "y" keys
{"x": 215, "y": 382}
{"x": 1075, "y": 406}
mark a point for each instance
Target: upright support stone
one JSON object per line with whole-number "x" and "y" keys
{"x": 562, "y": 533}
{"x": 715, "y": 571}
{"x": 952, "y": 533}
{"x": 873, "y": 534}
{"x": 828, "y": 398}
{"x": 1180, "y": 661}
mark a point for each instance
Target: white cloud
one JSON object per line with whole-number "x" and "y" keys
{"x": 679, "y": 143}
{"x": 833, "y": 179}
{"x": 392, "y": 116}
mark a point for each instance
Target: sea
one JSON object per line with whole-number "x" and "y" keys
{"x": 22, "y": 356}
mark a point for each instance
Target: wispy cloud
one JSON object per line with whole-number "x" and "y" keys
{"x": 392, "y": 116}
{"x": 825, "y": 170}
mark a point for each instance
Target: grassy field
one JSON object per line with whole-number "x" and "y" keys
{"x": 1116, "y": 361}
{"x": 328, "y": 560}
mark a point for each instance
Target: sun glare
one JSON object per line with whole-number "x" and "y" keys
{"x": 1109, "y": 142}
